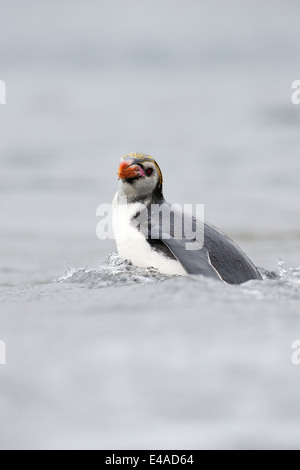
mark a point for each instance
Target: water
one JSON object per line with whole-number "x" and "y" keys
{"x": 108, "y": 355}
{"x": 116, "y": 272}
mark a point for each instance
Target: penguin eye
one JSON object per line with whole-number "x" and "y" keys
{"x": 149, "y": 171}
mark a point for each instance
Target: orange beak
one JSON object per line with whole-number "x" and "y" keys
{"x": 128, "y": 170}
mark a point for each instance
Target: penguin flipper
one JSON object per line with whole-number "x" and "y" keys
{"x": 194, "y": 261}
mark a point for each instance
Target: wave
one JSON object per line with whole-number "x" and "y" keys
{"x": 115, "y": 272}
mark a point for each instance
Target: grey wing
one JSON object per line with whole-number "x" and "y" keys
{"x": 193, "y": 261}
{"x": 218, "y": 256}
{"x": 228, "y": 259}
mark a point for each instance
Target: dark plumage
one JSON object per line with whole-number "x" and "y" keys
{"x": 218, "y": 257}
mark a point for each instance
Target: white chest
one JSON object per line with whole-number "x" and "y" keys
{"x": 132, "y": 244}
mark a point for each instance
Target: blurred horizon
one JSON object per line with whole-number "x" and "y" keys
{"x": 204, "y": 87}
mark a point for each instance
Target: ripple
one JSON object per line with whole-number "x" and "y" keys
{"x": 283, "y": 284}
{"x": 114, "y": 271}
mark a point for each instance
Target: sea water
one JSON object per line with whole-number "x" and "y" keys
{"x": 99, "y": 353}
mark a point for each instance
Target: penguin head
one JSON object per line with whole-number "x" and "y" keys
{"x": 140, "y": 177}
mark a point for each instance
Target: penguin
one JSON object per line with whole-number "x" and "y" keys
{"x": 143, "y": 239}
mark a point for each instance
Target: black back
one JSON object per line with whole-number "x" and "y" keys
{"x": 219, "y": 257}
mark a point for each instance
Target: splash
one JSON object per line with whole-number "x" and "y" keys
{"x": 114, "y": 271}
{"x": 283, "y": 284}
{"x": 284, "y": 273}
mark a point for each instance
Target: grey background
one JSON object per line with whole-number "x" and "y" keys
{"x": 205, "y": 87}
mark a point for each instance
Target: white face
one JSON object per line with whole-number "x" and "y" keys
{"x": 138, "y": 179}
